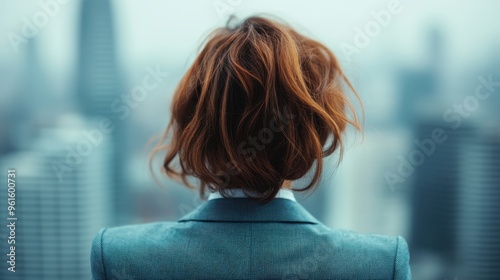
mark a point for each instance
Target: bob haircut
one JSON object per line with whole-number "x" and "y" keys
{"x": 260, "y": 105}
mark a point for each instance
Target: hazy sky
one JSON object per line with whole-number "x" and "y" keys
{"x": 168, "y": 32}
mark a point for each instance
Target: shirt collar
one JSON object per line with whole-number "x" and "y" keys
{"x": 249, "y": 210}
{"x": 239, "y": 193}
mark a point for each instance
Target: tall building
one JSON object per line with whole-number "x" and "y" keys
{"x": 61, "y": 203}
{"x": 421, "y": 86}
{"x": 435, "y": 192}
{"x": 479, "y": 200}
{"x": 33, "y": 106}
{"x": 99, "y": 85}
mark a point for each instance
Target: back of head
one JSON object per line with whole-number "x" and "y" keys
{"x": 260, "y": 105}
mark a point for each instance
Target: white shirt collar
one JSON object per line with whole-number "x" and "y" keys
{"x": 238, "y": 193}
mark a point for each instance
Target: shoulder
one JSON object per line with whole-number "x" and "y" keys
{"x": 124, "y": 243}
{"x": 121, "y": 251}
{"x": 125, "y": 238}
{"x": 367, "y": 243}
{"x": 127, "y": 235}
{"x": 371, "y": 255}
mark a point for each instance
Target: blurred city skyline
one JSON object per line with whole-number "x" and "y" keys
{"x": 416, "y": 66}
{"x": 175, "y": 30}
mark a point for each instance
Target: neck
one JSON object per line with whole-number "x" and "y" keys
{"x": 287, "y": 184}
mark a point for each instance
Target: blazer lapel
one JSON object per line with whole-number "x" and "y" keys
{"x": 247, "y": 210}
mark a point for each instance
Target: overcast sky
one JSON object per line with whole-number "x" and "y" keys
{"x": 169, "y": 32}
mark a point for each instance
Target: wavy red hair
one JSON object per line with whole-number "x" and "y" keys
{"x": 260, "y": 105}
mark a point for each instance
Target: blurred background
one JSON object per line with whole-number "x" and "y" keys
{"x": 84, "y": 85}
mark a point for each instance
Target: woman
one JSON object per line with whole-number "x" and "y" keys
{"x": 260, "y": 106}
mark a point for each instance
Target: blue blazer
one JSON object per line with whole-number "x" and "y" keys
{"x": 237, "y": 238}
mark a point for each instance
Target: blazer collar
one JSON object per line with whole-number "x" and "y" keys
{"x": 248, "y": 210}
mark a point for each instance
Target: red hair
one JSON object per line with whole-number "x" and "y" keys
{"x": 260, "y": 105}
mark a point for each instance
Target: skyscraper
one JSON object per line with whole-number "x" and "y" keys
{"x": 479, "y": 200}
{"x": 434, "y": 199}
{"x": 33, "y": 107}
{"x": 61, "y": 202}
{"x": 99, "y": 85}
